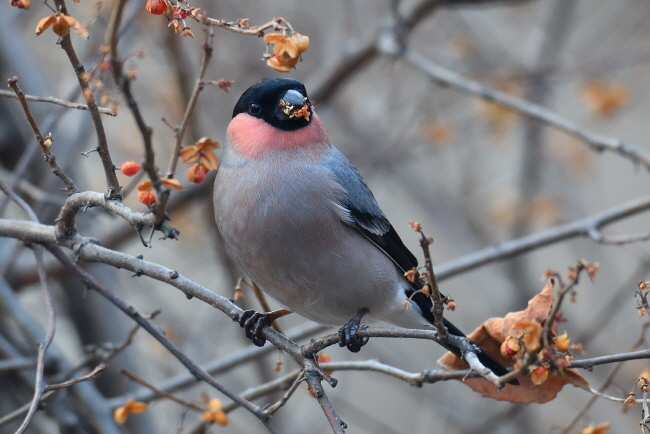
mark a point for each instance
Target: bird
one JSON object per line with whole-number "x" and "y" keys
{"x": 300, "y": 220}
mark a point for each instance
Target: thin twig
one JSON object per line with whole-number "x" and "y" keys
{"x": 277, "y": 24}
{"x": 355, "y": 62}
{"x": 604, "y": 360}
{"x": 49, "y": 391}
{"x": 313, "y": 378}
{"x": 16, "y": 364}
{"x": 65, "y": 222}
{"x": 50, "y": 159}
{"x": 191, "y": 104}
{"x": 156, "y": 333}
{"x": 89, "y": 376}
{"x": 610, "y": 377}
{"x": 61, "y": 102}
{"x": 113, "y": 351}
{"x": 416, "y": 379}
{"x": 39, "y": 386}
{"x": 456, "y": 81}
{"x": 124, "y": 83}
{"x": 161, "y": 392}
{"x": 511, "y": 248}
{"x": 39, "y": 383}
{"x": 218, "y": 366}
{"x": 113, "y": 184}
{"x": 294, "y": 386}
{"x": 438, "y": 303}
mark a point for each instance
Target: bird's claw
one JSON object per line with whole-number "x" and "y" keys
{"x": 253, "y": 323}
{"x": 348, "y": 335}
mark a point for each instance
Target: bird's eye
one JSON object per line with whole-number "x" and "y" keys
{"x": 254, "y": 108}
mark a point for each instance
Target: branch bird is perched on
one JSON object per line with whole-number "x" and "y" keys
{"x": 300, "y": 220}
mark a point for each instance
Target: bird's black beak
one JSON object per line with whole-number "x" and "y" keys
{"x": 295, "y": 105}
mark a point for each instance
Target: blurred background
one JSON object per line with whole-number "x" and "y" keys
{"x": 473, "y": 173}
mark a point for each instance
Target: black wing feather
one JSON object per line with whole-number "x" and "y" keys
{"x": 367, "y": 217}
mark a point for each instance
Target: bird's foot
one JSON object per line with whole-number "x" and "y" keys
{"x": 348, "y": 333}
{"x": 254, "y": 322}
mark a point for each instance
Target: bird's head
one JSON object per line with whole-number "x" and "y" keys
{"x": 273, "y": 114}
{"x": 281, "y": 102}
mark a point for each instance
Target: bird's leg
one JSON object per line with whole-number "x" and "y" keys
{"x": 253, "y": 322}
{"x": 348, "y": 333}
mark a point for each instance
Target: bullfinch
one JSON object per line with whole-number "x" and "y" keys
{"x": 302, "y": 223}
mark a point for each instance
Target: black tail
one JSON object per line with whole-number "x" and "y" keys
{"x": 485, "y": 359}
{"x": 424, "y": 303}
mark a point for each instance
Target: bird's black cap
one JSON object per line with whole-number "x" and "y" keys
{"x": 281, "y": 102}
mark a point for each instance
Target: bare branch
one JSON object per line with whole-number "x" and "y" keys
{"x": 511, "y": 248}
{"x": 218, "y": 366}
{"x": 113, "y": 185}
{"x": 39, "y": 386}
{"x": 67, "y": 216}
{"x": 156, "y": 333}
{"x": 161, "y": 392}
{"x": 61, "y": 102}
{"x": 438, "y": 303}
{"x": 449, "y": 78}
{"x": 16, "y": 364}
{"x": 278, "y": 24}
{"x": 50, "y": 159}
{"x": 49, "y": 391}
{"x": 191, "y": 104}
{"x": 604, "y": 360}
{"x": 124, "y": 83}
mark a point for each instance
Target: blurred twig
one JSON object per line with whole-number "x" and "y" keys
{"x": 456, "y": 81}
{"x": 39, "y": 383}
{"x": 191, "y": 104}
{"x": 580, "y": 228}
{"x": 57, "y": 101}
{"x": 218, "y": 366}
{"x": 50, "y": 159}
{"x": 113, "y": 185}
{"x": 154, "y": 331}
{"x": 49, "y": 391}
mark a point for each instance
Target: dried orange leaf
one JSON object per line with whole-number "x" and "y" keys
{"x": 189, "y": 154}
{"x": 604, "y": 99}
{"x": 490, "y": 335}
{"x": 596, "y": 429}
{"x": 210, "y": 161}
{"x": 131, "y": 406}
{"x": 281, "y": 65}
{"x": 207, "y": 143}
{"x": 145, "y": 185}
{"x": 61, "y": 25}
{"x": 21, "y": 4}
{"x": 44, "y": 24}
{"x": 275, "y": 38}
{"x": 172, "y": 183}
{"x": 75, "y": 25}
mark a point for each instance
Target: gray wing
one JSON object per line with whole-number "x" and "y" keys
{"x": 364, "y": 213}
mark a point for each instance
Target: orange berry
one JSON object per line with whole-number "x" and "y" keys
{"x": 156, "y": 7}
{"x": 130, "y": 168}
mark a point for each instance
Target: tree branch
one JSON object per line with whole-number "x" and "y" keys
{"x": 508, "y": 249}
{"x": 58, "y": 101}
{"x": 456, "y": 81}
{"x": 50, "y": 159}
{"x": 113, "y": 185}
